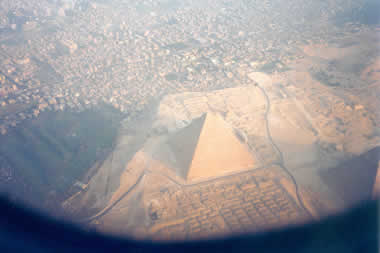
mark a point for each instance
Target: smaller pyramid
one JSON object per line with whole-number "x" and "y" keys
{"x": 376, "y": 186}
{"x": 209, "y": 148}
{"x": 355, "y": 180}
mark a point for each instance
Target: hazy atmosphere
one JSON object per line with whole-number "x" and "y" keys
{"x": 186, "y": 119}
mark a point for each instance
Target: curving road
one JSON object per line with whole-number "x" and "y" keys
{"x": 280, "y": 163}
{"x": 109, "y": 207}
{"x": 279, "y": 152}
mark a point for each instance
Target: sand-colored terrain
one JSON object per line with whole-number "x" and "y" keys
{"x": 327, "y": 51}
{"x": 218, "y": 151}
{"x": 248, "y": 201}
{"x": 372, "y": 72}
{"x": 261, "y": 155}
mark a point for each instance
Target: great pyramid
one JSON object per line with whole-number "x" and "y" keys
{"x": 209, "y": 148}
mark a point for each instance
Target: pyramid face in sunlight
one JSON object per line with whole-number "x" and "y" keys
{"x": 376, "y": 186}
{"x": 209, "y": 148}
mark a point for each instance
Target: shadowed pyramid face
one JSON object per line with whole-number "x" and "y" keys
{"x": 208, "y": 148}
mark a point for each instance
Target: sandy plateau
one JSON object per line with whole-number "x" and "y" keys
{"x": 307, "y": 120}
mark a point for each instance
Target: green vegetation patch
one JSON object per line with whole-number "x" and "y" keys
{"x": 324, "y": 78}
{"x": 271, "y": 66}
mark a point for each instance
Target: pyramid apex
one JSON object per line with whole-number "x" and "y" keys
{"x": 208, "y": 148}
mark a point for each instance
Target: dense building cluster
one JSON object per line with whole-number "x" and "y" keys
{"x": 58, "y": 55}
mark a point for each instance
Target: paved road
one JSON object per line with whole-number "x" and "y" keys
{"x": 280, "y": 163}
{"x": 279, "y": 152}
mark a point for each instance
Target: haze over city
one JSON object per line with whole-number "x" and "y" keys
{"x": 178, "y": 120}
